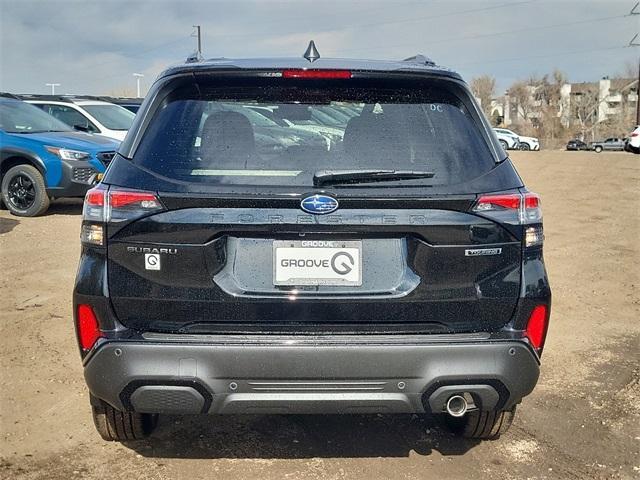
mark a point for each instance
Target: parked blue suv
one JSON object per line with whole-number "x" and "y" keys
{"x": 42, "y": 158}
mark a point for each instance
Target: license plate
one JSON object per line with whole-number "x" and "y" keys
{"x": 317, "y": 262}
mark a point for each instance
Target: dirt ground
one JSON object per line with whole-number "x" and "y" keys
{"x": 582, "y": 421}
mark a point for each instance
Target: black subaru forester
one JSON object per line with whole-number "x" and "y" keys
{"x": 310, "y": 236}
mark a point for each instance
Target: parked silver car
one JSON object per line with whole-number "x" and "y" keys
{"x": 611, "y": 144}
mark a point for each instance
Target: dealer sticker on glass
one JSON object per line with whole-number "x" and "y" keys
{"x": 317, "y": 262}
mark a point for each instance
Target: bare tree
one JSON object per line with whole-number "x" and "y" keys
{"x": 551, "y": 105}
{"x": 585, "y": 111}
{"x": 520, "y": 94}
{"x": 484, "y": 89}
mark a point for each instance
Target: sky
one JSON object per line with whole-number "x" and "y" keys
{"x": 94, "y": 47}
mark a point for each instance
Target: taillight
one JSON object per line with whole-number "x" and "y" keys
{"x": 322, "y": 74}
{"x": 497, "y": 202}
{"x": 88, "y": 327}
{"x": 537, "y": 327}
{"x": 120, "y": 199}
{"x": 515, "y": 208}
{"x": 634, "y": 134}
{"x": 102, "y": 205}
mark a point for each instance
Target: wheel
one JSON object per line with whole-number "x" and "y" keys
{"x": 24, "y": 192}
{"x": 598, "y": 149}
{"x": 482, "y": 425}
{"x": 525, "y": 147}
{"x": 503, "y": 144}
{"x": 118, "y": 426}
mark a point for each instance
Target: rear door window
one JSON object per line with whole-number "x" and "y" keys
{"x": 70, "y": 116}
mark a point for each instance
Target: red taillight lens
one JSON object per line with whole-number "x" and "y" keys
{"x": 634, "y": 134}
{"x": 508, "y": 201}
{"x": 95, "y": 197}
{"x": 324, "y": 74}
{"x": 493, "y": 202}
{"x": 88, "y": 328}
{"x": 537, "y": 327}
{"x": 531, "y": 200}
{"x": 119, "y": 199}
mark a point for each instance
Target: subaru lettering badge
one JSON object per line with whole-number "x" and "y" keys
{"x": 319, "y": 204}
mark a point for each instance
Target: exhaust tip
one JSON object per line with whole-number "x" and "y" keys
{"x": 457, "y": 406}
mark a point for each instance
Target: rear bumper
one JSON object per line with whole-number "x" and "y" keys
{"x": 289, "y": 375}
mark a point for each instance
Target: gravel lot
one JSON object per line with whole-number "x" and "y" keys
{"x": 582, "y": 421}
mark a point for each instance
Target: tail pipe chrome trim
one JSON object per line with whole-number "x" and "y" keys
{"x": 457, "y": 406}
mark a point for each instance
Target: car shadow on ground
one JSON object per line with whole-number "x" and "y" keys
{"x": 7, "y": 224}
{"x": 299, "y": 437}
{"x": 65, "y": 206}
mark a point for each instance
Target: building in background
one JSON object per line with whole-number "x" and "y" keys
{"x": 587, "y": 110}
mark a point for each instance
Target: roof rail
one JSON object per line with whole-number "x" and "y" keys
{"x": 419, "y": 59}
{"x": 9, "y": 95}
{"x": 38, "y": 96}
{"x": 72, "y": 98}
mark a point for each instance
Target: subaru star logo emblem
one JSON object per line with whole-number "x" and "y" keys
{"x": 319, "y": 204}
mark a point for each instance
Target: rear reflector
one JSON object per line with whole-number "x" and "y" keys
{"x": 537, "y": 327}
{"x": 325, "y": 74}
{"x": 88, "y": 328}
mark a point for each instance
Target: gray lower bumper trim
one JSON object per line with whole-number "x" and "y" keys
{"x": 306, "y": 378}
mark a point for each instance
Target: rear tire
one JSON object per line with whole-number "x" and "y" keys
{"x": 482, "y": 425}
{"x": 116, "y": 426}
{"x": 598, "y": 149}
{"x": 504, "y": 145}
{"x": 24, "y": 192}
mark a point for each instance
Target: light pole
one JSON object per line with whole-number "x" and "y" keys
{"x": 138, "y": 77}
{"x": 197, "y": 34}
{"x": 53, "y": 87}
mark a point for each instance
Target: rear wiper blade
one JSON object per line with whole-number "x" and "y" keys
{"x": 329, "y": 177}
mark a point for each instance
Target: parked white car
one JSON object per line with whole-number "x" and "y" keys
{"x": 87, "y": 115}
{"x": 330, "y": 134}
{"x": 525, "y": 143}
{"x": 509, "y": 141}
{"x": 633, "y": 142}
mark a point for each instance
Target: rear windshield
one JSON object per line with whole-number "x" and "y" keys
{"x": 281, "y": 136}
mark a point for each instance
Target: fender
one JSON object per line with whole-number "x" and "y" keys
{"x": 8, "y": 152}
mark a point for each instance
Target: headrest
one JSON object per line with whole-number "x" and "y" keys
{"x": 227, "y": 134}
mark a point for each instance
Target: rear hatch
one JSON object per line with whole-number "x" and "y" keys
{"x": 258, "y": 228}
